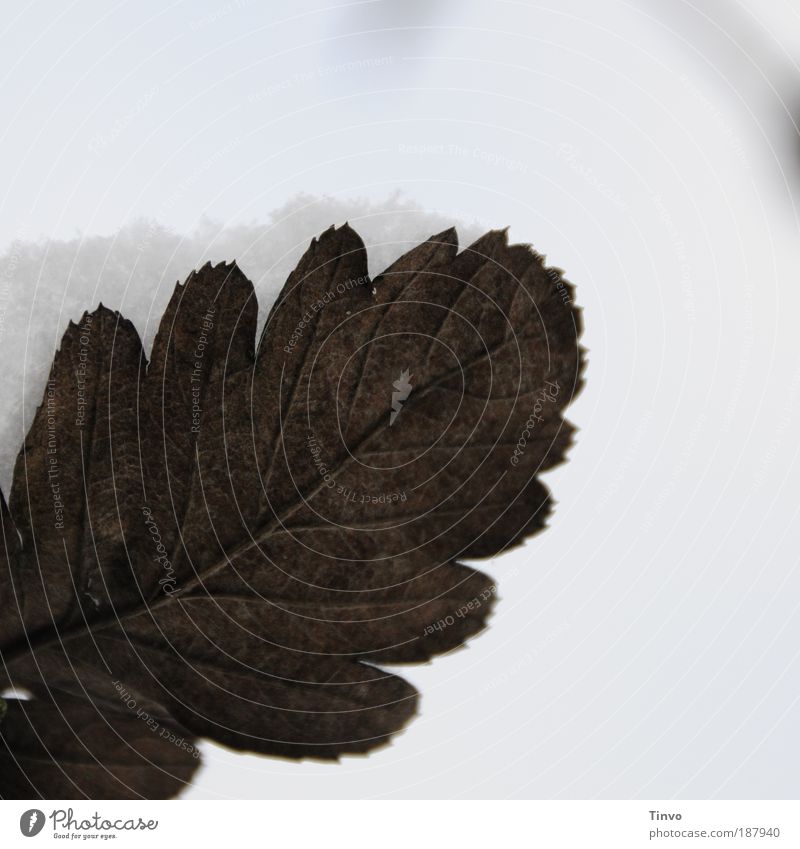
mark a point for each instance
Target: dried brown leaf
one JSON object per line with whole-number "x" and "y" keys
{"x": 230, "y": 537}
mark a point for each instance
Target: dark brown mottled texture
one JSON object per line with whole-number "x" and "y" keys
{"x": 230, "y": 537}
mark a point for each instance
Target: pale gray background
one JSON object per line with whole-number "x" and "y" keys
{"x": 647, "y": 644}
